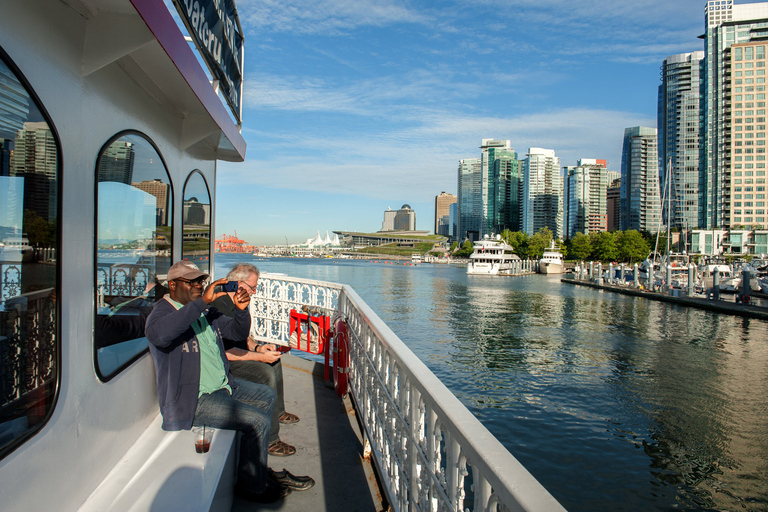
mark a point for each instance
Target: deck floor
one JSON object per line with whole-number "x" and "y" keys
{"x": 328, "y": 448}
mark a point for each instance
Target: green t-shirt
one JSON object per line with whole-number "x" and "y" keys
{"x": 213, "y": 376}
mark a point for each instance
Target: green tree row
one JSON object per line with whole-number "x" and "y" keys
{"x": 626, "y": 246}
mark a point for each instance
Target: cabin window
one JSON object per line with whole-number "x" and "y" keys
{"x": 133, "y": 247}
{"x": 196, "y": 222}
{"x": 29, "y": 267}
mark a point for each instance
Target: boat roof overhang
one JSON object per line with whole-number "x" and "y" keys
{"x": 142, "y": 38}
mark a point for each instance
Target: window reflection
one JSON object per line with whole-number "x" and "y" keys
{"x": 29, "y": 348}
{"x": 196, "y": 218}
{"x": 133, "y": 247}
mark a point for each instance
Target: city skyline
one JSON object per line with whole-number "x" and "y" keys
{"x": 352, "y": 108}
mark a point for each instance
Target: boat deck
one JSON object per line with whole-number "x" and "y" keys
{"x": 328, "y": 448}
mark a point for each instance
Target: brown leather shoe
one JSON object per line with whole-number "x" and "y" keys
{"x": 281, "y": 449}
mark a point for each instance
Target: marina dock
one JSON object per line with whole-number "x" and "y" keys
{"x": 750, "y": 310}
{"x": 328, "y": 444}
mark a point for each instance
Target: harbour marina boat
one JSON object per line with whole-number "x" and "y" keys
{"x": 551, "y": 261}
{"x": 129, "y": 121}
{"x": 491, "y": 256}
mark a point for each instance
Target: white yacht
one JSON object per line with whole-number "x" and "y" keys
{"x": 491, "y": 257}
{"x": 551, "y": 261}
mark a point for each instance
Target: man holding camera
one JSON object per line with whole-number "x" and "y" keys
{"x": 194, "y": 385}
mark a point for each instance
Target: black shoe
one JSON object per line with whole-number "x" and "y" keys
{"x": 271, "y": 494}
{"x": 286, "y": 479}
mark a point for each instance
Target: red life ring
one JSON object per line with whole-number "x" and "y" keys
{"x": 341, "y": 358}
{"x": 745, "y": 299}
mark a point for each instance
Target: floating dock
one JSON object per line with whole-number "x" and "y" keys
{"x": 720, "y": 306}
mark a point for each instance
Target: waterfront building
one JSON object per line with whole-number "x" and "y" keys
{"x": 680, "y": 128}
{"x": 744, "y": 203}
{"x": 34, "y": 158}
{"x": 491, "y": 149}
{"x": 639, "y": 194}
{"x": 405, "y": 219}
{"x": 161, "y": 191}
{"x": 443, "y": 204}
{"x": 453, "y": 219}
{"x": 728, "y": 25}
{"x": 707, "y": 241}
{"x": 613, "y": 205}
{"x": 542, "y": 192}
{"x": 389, "y": 220}
{"x": 506, "y": 194}
{"x": 586, "y": 195}
{"x": 470, "y": 199}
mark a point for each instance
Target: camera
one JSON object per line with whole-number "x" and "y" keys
{"x": 230, "y": 286}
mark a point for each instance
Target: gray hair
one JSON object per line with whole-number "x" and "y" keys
{"x": 242, "y": 271}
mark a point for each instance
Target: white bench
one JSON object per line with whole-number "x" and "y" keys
{"x": 162, "y": 472}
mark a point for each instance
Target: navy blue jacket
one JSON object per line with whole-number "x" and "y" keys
{"x": 176, "y": 351}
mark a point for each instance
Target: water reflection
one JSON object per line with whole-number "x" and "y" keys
{"x": 612, "y": 402}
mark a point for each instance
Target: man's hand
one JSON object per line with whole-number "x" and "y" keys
{"x": 241, "y": 298}
{"x": 209, "y": 295}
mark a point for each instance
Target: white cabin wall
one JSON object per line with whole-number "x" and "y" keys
{"x": 93, "y": 423}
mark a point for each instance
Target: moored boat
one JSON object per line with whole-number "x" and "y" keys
{"x": 491, "y": 256}
{"x": 551, "y": 261}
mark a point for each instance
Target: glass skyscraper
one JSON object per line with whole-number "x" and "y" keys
{"x": 542, "y": 192}
{"x": 680, "y": 128}
{"x": 640, "y": 199}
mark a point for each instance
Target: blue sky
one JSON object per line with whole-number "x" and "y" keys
{"x": 351, "y": 107}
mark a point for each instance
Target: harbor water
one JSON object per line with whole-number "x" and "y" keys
{"x": 612, "y": 402}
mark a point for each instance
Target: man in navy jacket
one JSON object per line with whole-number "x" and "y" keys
{"x": 194, "y": 385}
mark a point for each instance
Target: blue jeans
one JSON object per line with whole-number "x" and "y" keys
{"x": 270, "y": 375}
{"x": 249, "y": 411}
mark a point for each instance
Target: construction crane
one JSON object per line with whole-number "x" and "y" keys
{"x": 228, "y": 243}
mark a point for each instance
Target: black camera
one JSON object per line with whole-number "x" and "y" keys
{"x": 230, "y": 286}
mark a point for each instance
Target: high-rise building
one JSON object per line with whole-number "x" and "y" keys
{"x": 405, "y": 219}
{"x": 117, "y": 162}
{"x": 491, "y": 150}
{"x": 745, "y": 156}
{"x": 453, "y": 220}
{"x": 443, "y": 203}
{"x": 680, "y": 128}
{"x": 389, "y": 220}
{"x": 733, "y": 90}
{"x": 542, "y": 192}
{"x": 613, "y": 204}
{"x": 35, "y": 158}
{"x": 470, "y": 199}
{"x": 507, "y": 191}
{"x": 585, "y": 201}
{"x": 161, "y": 191}
{"x": 640, "y": 200}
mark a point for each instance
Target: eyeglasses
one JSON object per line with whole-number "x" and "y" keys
{"x": 251, "y": 288}
{"x": 196, "y": 282}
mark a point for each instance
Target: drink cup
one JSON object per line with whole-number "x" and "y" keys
{"x": 203, "y": 437}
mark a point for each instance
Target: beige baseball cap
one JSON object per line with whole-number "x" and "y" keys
{"x": 184, "y": 269}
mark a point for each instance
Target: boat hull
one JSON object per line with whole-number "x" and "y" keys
{"x": 550, "y": 268}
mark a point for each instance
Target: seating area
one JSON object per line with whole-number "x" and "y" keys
{"x": 162, "y": 472}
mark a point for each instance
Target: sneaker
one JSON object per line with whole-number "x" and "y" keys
{"x": 271, "y": 494}
{"x": 281, "y": 449}
{"x": 286, "y": 479}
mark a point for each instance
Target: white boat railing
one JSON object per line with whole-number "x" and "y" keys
{"x": 431, "y": 452}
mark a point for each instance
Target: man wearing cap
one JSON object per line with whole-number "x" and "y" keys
{"x": 194, "y": 385}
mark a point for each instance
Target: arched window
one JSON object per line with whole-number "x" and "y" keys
{"x": 29, "y": 267}
{"x": 134, "y": 200}
{"x": 196, "y": 222}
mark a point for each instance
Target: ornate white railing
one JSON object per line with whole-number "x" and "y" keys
{"x": 431, "y": 452}
{"x": 277, "y": 295}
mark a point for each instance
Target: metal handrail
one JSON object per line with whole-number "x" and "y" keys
{"x": 422, "y": 437}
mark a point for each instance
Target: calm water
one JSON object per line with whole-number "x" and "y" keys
{"x": 612, "y": 402}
